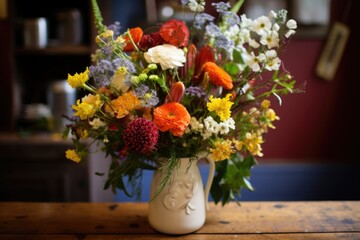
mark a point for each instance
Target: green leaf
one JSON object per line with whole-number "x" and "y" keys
{"x": 232, "y": 176}
{"x": 248, "y": 185}
{"x": 226, "y": 198}
{"x": 237, "y": 57}
{"x": 231, "y": 68}
{"x": 237, "y": 6}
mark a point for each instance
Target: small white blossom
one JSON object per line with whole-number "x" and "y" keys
{"x": 231, "y": 123}
{"x": 253, "y": 43}
{"x": 211, "y": 125}
{"x": 270, "y": 39}
{"x": 273, "y": 14}
{"x": 224, "y": 127}
{"x": 261, "y": 25}
{"x": 244, "y": 35}
{"x": 195, "y": 125}
{"x": 96, "y": 123}
{"x": 291, "y": 24}
{"x": 272, "y": 61}
{"x": 276, "y": 27}
{"x": 289, "y": 33}
{"x": 206, "y": 134}
{"x": 167, "y": 55}
{"x": 196, "y": 6}
{"x": 245, "y": 22}
{"x": 253, "y": 61}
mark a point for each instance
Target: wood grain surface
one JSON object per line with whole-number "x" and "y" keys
{"x": 251, "y": 220}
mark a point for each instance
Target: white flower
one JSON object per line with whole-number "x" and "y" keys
{"x": 168, "y": 56}
{"x": 270, "y": 39}
{"x": 291, "y": 24}
{"x": 261, "y": 25}
{"x": 253, "y": 61}
{"x": 231, "y": 123}
{"x": 118, "y": 80}
{"x": 233, "y": 32}
{"x": 244, "y": 36}
{"x": 96, "y": 123}
{"x": 206, "y": 134}
{"x": 273, "y": 14}
{"x": 245, "y": 22}
{"x": 289, "y": 33}
{"x": 196, "y": 7}
{"x": 272, "y": 61}
{"x": 211, "y": 125}
{"x": 276, "y": 27}
{"x": 195, "y": 125}
{"x": 253, "y": 43}
{"x": 224, "y": 127}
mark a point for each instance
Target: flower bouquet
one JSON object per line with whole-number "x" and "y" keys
{"x": 182, "y": 89}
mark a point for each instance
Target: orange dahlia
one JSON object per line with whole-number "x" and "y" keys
{"x": 217, "y": 75}
{"x": 172, "y": 117}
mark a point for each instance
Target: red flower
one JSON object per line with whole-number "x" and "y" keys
{"x": 172, "y": 117}
{"x": 136, "y": 35}
{"x": 175, "y": 32}
{"x": 150, "y": 40}
{"x": 206, "y": 54}
{"x": 140, "y": 136}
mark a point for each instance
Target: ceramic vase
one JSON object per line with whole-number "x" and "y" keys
{"x": 180, "y": 207}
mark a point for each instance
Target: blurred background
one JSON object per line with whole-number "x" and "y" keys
{"x": 310, "y": 156}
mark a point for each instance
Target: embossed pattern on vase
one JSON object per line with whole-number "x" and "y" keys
{"x": 180, "y": 193}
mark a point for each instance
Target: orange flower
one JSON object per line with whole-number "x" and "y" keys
{"x": 176, "y": 92}
{"x": 172, "y": 117}
{"x": 123, "y": 105}
{"x": 191, "y": 56}
{"x": 136, "y": 35}
{"x": 217, "y": 75}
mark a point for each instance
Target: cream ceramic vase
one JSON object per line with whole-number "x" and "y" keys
{"x": 180, "y": 208}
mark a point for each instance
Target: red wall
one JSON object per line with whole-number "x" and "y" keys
{"x": 319, "y": 124}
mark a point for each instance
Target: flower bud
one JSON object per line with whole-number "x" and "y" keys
{"x": 176, "y": 92}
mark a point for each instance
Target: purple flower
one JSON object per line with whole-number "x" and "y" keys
{"x": 221, "y": 7}
{"x": 147, "y": 98}
{"x": 115, "y": 27}
{"x": 195, "y": 91}
{"x": 202, "y": 19}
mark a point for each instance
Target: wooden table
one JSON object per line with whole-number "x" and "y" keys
{"x": 251, "y": 220}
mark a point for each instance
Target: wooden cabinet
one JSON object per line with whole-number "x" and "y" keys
{"x": 35, "y": 169}
{"x": 41, "y": 42}
{"x": 45, "y": 41}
